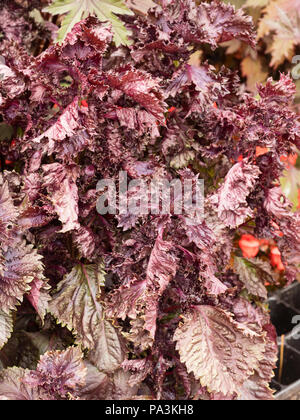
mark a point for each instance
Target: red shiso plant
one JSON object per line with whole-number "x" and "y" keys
{"x": 127, "y": 306}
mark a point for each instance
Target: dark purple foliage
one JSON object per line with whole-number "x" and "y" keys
{"x": 154, "y": 302}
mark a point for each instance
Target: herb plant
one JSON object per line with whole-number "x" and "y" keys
{"x": 91, "y": 303}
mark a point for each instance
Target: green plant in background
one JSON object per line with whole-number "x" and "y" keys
{"x": 105, "y": 10}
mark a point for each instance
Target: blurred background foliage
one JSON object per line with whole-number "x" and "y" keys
{"x": 278, "y": 51}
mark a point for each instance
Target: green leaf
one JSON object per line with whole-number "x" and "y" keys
{"x": 105, "y": 10}
{"x": 290, "y": 183}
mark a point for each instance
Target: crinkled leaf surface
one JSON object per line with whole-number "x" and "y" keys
{"x": 161, "y": 269}
{"x": 233, "y": 208}
{"x": 257, "y": 386}
{"x": 218, "y": 22}
{"x": 39, "y": 296}
{"x": 76, "y": 302}
{"x": 76, "y": 305}
{"x": 63, "y": 127}
{"x": 21, "y": 265}
{"x": 220, "y": 352}
{"x": 124, "y": 301}
{"x": 12, "y": 386}
{"x": 58, "y": 373}
{"x": 60, "y": 181}
{"x": 141, "y": 87}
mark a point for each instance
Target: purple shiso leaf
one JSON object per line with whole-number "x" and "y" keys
{"x": 153, "y": 301}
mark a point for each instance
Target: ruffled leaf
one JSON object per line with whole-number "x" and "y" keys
{"x": 60, "y": 182}
{"x": 76, "y": 305}
{"x": 217, "y": 22}
{"x": 13, "y": 388}
{"x": 161, "y": 269}
{"x": 233, "y": 208}
{"x": 124, "y": 301}
{"x": 65, "y": 126}
{"x": 220, "y": 352}
{"x": 58, "y": 373}
{"x": 141, "y": 87}
{"x": 21, "y": 265}
{"x": 139, "y": 368}
{"x": 39, "y": 296}
{"x": 85, "y": 242}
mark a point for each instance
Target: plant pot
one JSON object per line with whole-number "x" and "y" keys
{"x": 285, "y": 315}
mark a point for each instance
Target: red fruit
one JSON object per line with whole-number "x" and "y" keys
{"x": 172, "y": 109}
{"x": 9, "y": 162}
{"x": 275, "y": 257}
{"x": 13, "y": 144}
{"x": 267, "y": 284}
{"x": 215, "y": 105}
{"x": 283, "y": 158}
{"x": 249, "y": 246}
{"x": 290, "y": 159}
{"x": 84, "y": 103}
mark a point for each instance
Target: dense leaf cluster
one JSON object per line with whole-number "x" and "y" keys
{"x": 173, "y": 310}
